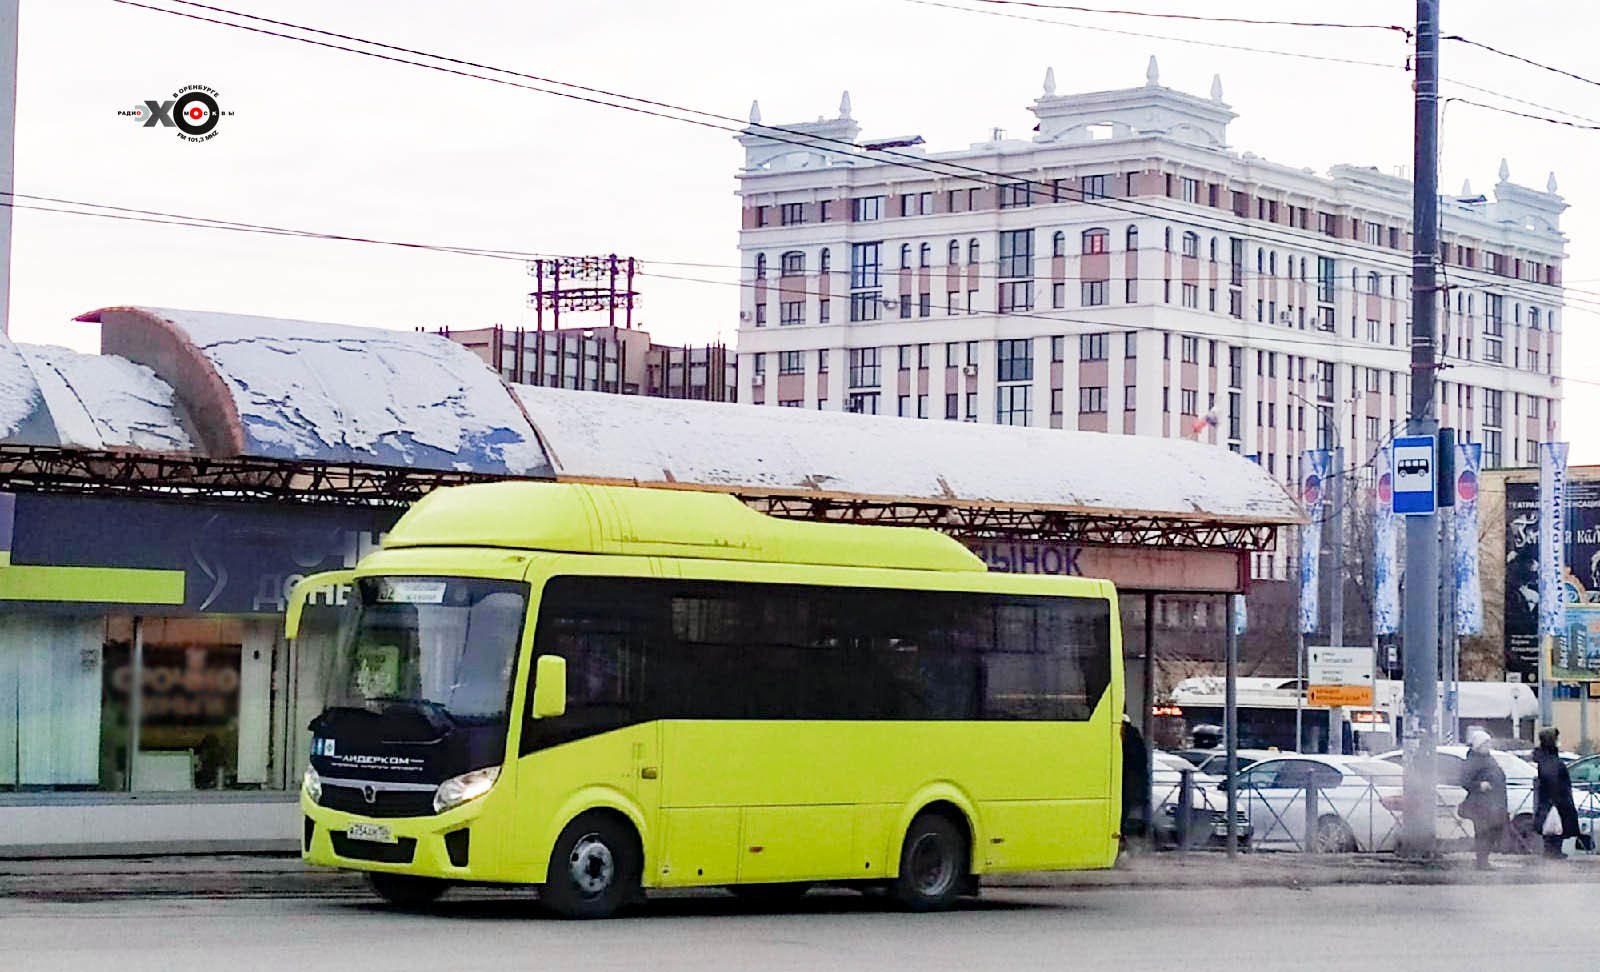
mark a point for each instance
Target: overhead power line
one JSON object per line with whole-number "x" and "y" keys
{"x": 1518, "y": 57}
{"x": 1523, "y": 114}
{"x": 612, "y": 99}
{"x": 1203, "y": 18}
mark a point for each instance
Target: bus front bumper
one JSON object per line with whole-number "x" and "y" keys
{"x": 439, "y": 846}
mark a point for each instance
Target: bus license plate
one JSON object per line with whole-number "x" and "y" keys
{"x": 375, "y": 833}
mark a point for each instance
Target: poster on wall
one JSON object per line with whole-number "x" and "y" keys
{"x": 1581, "y": 575}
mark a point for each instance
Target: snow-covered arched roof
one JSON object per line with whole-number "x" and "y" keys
{"x": 615, "y": 438}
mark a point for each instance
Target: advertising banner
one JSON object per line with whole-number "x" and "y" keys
{"x": 1552, "y": 535}
{"x": 1582, "y": 645}
{"x": 1314, "y": 468}
{"x": 1581, "y": 579}
{"x": 1469, "y": 585}
{"x": 1385, "y": 578}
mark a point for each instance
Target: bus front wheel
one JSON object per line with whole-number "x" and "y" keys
{"x": 594, "y": 867}
{"x": 933, "y": 863}
{"x": 405, "y": 890}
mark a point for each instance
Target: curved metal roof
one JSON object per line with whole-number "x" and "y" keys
{"x": 600, "y": 437}
{"x": 298, "y": 390}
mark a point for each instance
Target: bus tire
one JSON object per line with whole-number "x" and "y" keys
{"x": 933, "y": 863}
{"x": 406, "y": 890}
{"x": 594, "y": 868}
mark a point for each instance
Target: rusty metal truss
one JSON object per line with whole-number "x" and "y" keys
{"x": 116, "y": 473}
{"x": 970, "y": 522}
{"x": 128, "y": 473}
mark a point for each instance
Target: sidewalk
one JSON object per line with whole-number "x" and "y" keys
{"x": 89, "y": 879}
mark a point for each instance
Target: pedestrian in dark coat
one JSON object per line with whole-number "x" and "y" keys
{"x": 1485, "y": 804}
{"x": 1555, "y": 790}
{"x": 1135, "y": 780}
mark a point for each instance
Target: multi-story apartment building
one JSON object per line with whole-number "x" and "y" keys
{"x": 610, "y": 359}
{"x": 1126, "y": 271}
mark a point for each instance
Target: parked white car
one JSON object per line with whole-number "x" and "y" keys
{"x": 1209, "y": 806}
{"x": 1357, "y": 808}
{"x": 1521, "y": 780}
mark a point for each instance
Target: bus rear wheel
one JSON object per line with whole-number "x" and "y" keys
{"x": 594, "y": 868}
{"x": 933, "y": 864}
{"x": 406, "y": 890}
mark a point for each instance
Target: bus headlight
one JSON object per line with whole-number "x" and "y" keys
{"x": 311, "y": 785}
{"x": 460, "y": 789}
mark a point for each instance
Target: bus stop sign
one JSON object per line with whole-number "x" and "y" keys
{"x": 1413, "y": 483}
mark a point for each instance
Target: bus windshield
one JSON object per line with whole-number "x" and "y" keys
{"x": 444, "y": 644}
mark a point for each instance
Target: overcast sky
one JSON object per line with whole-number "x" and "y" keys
{"x": 332, "y": 141}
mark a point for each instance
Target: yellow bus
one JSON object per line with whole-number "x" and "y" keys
{"x": 601, "y": 690}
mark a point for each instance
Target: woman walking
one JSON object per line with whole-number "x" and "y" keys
{"x": 1485, "y": 804}
{"x": 1553, "y": 810}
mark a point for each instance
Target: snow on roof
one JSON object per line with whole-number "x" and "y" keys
{"x": 619, "y": 438}
{"x": 101, "y": 401}
{"x": 23, "y": 416}
{"x": 305, "y": 390}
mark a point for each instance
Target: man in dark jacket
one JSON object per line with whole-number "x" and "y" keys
{"x": 1555, "y": 790}
{"x": 1485, "y": 804}
{"x": 1135, "y": 781}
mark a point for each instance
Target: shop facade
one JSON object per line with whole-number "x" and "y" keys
{"x": 147, "y": 694}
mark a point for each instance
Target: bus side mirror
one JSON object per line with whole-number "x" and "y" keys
{"x": 549, "y": 687}
{"x": 303, "y": 590}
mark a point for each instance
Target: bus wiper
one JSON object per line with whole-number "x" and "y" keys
{"x": 438, "y": 717}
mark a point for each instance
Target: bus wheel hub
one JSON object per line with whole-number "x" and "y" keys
{"x": 591, "y": 865}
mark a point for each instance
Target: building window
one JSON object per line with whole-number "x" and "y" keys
{"x": 793, "y": 263}
{"x": 825, "y": 211}
{"x": 822, "y": 360}
{"x": 905, "y": 306}
{"x": 1132, "y": 241}
{"x": 954, "y": 252}
{"x": 1016, "y": 194}
{"x": 864, "y": 368}
{"x": 760, "y": 362}
{"x": 972, "y": 302}
{"x": 761, "y": 265}
{"x": 952, "y": 406}
{"x": 1493, "y": 407}
{"x": 1191, "y": 244}
{"x": 1190, "y": 350}
{"x": 1094, "y": 240}
{"x": 1058, "y": 244}
{"x": 925, "y": 255}
{"x": 761, "y": 313}
{"x": 1491, "y": 448}
{"x": 924, "y": 305}
{"x": 1130, "y": 344}
{"x": 972, "y": 250}
{"x": 905, "y": 256}
{"x": 1096, "y": 187}
{"x": 791, "y": 403}
{"x": 1130, "y": 290}
{"x": 865, "y": 265}
{"x": 825, "y": 260}
{"x": 1189, "y": 402}
{"x": 866, "y": 306}
{"x": 1091, "y": 347}
{"x": 792, "y": 214}
{"x": 791, "y": 362}
{"x": 1091, "y": 399}
{"x": 1190, "y": 189}
{"x": 1014, "y": 360}
{"x": 1016, "y": 253}
{"x": 1236, "y": 368}
{"x": 1094, "y": 293}
{"x": 861, "y": 403}
{"x": 1191, "y": 295}
{"x": 972, "y": 407}
{"x": 1057, "y": 348}
{"x": 1055, "y": 401}
{"x": 1016, "y": 295}
{"x": 824, "y": 311}
{"x": 1374, "y": 233}
{"x": 866, "y": 208}
{"x": 922, "y": 406}
{"x": 791, "y": 312}
{"x": 1130, "y": 398}
{"x": 1014, "y": 404}
{"x": 1058, "y": 295}
{"x": 761, "y": 216}
{"x": 1325, "y": 277}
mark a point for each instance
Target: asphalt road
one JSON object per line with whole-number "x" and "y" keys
{"x": 1406, "y": 928}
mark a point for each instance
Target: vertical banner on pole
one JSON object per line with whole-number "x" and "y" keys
{"x": 1240, "y": 618}
{"x": 1385, "y": 579}
{"x": 1552, "y": 537}
{"x": 1314, "y": 466}
{"x": 1469, "y": 586}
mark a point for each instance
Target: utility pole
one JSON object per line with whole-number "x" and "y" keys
{"x": 1338, "y": 493}
{"x": 8, "y": 149}
{"x": 1422, "y": 532}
